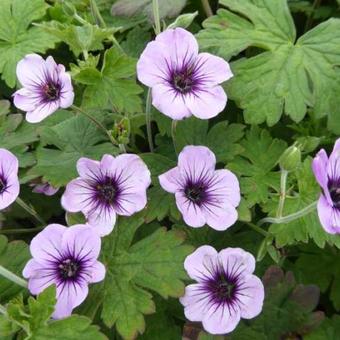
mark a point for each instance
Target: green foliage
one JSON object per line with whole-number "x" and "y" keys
{"x": 153, "y": 263}
{"x": 13, "y": 256}
{"x": 114, "y": 82}
{"x": 330, "y": 330}
{"x": 72, "y": 138}
{"x": 254, "y": 166}
{"x": 17, "y": 38}
{"x": 290, "y": 75}
{"x": 34, "y": 320}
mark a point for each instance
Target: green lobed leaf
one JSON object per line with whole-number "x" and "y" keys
{"x": 154, "y": 263}
{"x": 17, "y": 38}
{"x": 72, "y": 139}
{"x": 115, "y": 83}
{"x": 290, "y": 75}
{"x": 330, "y": 330}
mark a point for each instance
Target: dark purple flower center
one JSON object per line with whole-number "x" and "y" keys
{"x": 3, "y": 184}
{"x": 107, "y": 190}
{"x": 51, "y": 91}
{"x": 68, "y": 269}
{"x": 183, "y": 80}
{"x": 195, "y": 192}
{"x": 222, "y": 288}
{"x": 334, "y": 190}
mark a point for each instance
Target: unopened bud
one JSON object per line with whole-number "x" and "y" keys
{"x": 121, "y": 131}
{"x": 291, "y": 158}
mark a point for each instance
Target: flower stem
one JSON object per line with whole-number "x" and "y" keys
{"x": 258, "y": 229}
{"x": 207, "y": 8}
{"x": 291, "y": 217}
{"x": 155, "y": 10}
{"x": 173, "y": 134}
{"x": 283, "y": 183}
{"x": 12, "y": 277}
{"x": 30, "y": 210}
{"x": 148, "y": 120}
{"x": 3, "y": 310}
{"x": 95, "y": 121}
{"x": 122, "y": 148}
{"x": 96, "y": 14}
{"x": 20, "y": 231}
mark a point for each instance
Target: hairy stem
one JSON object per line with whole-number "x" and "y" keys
{"x": 12, "y": 277}
{"x": 291, "y": 217}
{"x": 283, "y": 183}
{"x": 3, "y": 310}
{"x": 173, "y": 134}
{"x": 30, "y": 210}
{"x": 96, "y": 14}
{"x": 258, "y": 229}
{"x": 122, "y": 148}
{"x": 95, "y": 121}
{"x": 207, "y": 9}
{"x": 155, "y": 10}
{"x": 148, "y": 119}
{"x": 21, "y": 231}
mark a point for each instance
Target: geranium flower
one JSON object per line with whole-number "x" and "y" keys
{"x": 106, "y": 188}
{"x": 46, "y": 87}
{"x": 66, "y": 257}
{"x": 327, "y": 173}
{"x": 226, "y": 290}
{"x": 45, "y": 188}
{"x": 9, "y": 182}
{"x": 203, "y": 194}
{"x": 183, "y": 81}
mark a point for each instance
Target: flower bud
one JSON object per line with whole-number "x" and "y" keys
{"x": 68, "y": 8}
{"x": 291, "y": 158}
{"x": 121, "y": 131}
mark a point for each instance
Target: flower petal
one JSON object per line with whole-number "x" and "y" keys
{"x": 69, "y": 296}
{"x": 31, "y": 70}
{"x": 130, "y": 202}
{"x": 171, "y": 181}
{"x": 88, "y": 168}
{"x": 46, "y": 246}
{"x": 82, "y": 242}
{"x": 251, "y": 297}
{"x": 191, "y": 212}
{"x": 219, "y": 216}
{"x": 221, "y": 319}
{"x": 237, "y": 260}
{"x": 206, "y": 103}
{"x": 98, "y": 272}
{"x": 198, "y": 264}
{"x": 103, "y": 222}
{"x": 329, "y": 217}
{"x": 212, "y": 70}
{"x": 11, "y": 193}
{"x": 66, "y": 91}
{"x": 42, "y": 111}
{"x": 170, "y": 102}
{"x": 25, "y": 100}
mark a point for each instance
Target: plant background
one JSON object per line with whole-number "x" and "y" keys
{"x": 285, "y": 56}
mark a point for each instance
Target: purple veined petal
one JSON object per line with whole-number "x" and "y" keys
{"x": 102, "y": 222}
{"x": 88, "y": 168}
{"x": 326, "y": 215}
{"x": 171, "y": 181}
{"x": 39, "y": 277}
{"x": 192, "y": 213}
{"x": 82, "y": 242}
{"x": 207, "y": 102}
{"x": 221, "y": 320}
{"x": 129, "y": 169}
{"x": 226, "y": 185}
{"x": 219, "y": 217}
{"x": 238, "y": 259}
{"x": 319, "y": 166}
{"x": 66, "y": 92}
{"x": 333, "y": 165}
{"x": 196, "y": 162}
{"x": 130, "y": 202}
{"x": 198, "y": 263}
{"x": 25, "y": 99}
{"x": 212, "y": 70}
{"x": 182, "y": 44}
{"x": 153, "y": 64}
{"x": 77, "y": 196}
{"x": 169, "y": 102}
{"x": 195, "y": 304}
{"x": 69, "y": 296}
{"x": 31, "y": 70}
{"x": 251, "y": 297}
{"x": 9, "y": 164}
{"x": 10, "y": 195}
{"x": 46, "y": 246}
{"x": 42, "y": 111}
{"x": 98, "y": 272}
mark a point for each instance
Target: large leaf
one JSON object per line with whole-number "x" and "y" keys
{"x": 115, "y": 83}
{"x": 73, "y": 138}
{"x": 154, "y": 263}
{"x": 16, "y": 38}
{"x": 254, "y": 166}
{"x": 290, "y": 75}
{"x": 13, "y": 256}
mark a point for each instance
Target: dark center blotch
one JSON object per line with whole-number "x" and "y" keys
{"x": 183, "y": 82}
{"x": 2, "y": 185}
{"x": 222, "y": 288}
{"x": 51, "y": 91}
{"x": 107, "y": 192}
{"x": 195, "y": 193}
{"x": 334, "y": 191}
{"x": 68, "y": 269}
